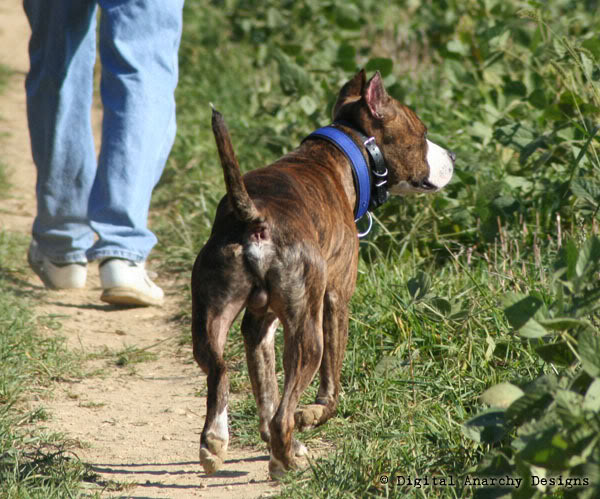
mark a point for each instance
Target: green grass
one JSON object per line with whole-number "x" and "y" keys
{"x": 33, "y": 462}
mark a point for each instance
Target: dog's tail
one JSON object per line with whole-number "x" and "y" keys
{"x": 243, "y": 207}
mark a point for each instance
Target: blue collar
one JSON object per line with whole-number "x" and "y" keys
{"x": 368, "y": 194}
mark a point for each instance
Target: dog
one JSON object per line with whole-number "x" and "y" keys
{"x": 284, "y": 247}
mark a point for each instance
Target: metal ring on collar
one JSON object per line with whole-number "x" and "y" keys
{"x": 363, "y": 234}
{"x": 380, "y": 174}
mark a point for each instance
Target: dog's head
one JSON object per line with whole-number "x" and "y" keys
{"x": 415, "y": 164}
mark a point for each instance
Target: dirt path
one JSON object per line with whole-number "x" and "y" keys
{"x": 138, "y": 425}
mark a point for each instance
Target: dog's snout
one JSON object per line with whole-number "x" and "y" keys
{"x": 452, "y": 156}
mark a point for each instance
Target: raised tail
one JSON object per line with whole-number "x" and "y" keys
{"x": 241, "y": 203}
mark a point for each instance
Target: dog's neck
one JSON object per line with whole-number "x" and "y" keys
{"x": 368, "y": 165}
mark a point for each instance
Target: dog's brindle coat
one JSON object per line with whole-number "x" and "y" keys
{"x": 284, "y": 247}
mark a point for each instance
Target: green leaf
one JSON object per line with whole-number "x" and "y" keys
{"x": 530, "y": 148}
{"x": 550, "y": 451}
{"x": 481, "y": 130}
{"x": 486, "y": 427}
{"x": 592, "y": 397}
{"x": 457, "y": 47}
{"x": 443, "y": 306}
{"x": 589, "y": 256}
{"x": 347, "y": 16}
{"x": 501, "y": 395}
{"x": 346, "y": 57}
{"x": 588, "y": 66}
{"x": 581, "y": 382}
{"x": 538, "y": 99}
{"x": 517, "y": 182}
{"x": 562, "y": 323}
{"x": 528, "y": 407}
{"x": 532, "y": 329}
{"x": 521, "y": 310}
{"x": 419, "y": 286}
{"x": 589, "y": 351}
{"x": 568, "y": 404}
{"x": 586, "y": 189}
{"x": 571, "y": 253}
{"x": 293, "y": 78}
{"x": 307, "y": 104}
{"x": 556, "y": 353}
{"x": 381, "y": 64}
{"x": 593, "y": 45}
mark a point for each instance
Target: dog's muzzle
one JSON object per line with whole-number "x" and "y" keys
{"x": 441, "y": 167}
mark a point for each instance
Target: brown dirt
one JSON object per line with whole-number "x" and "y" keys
{"x": 137, "y": 425}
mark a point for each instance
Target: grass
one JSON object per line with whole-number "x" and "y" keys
{"x": 33, "y": 462}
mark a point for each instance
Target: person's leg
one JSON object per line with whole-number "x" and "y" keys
{"x": 138, "y": 49}
{"x": 59, "y": 94}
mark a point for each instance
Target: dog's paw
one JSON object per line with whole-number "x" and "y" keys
{"x": 310, "y": 416}
{"x": 298, "y": 448}
{"x": 210, "y": 462}
{"x": 277, "y": 469}
{"x": 213, "y": 455}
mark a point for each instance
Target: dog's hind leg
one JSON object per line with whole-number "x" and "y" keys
{"x": 335, "y": 337}
{"x": 259, "y": 340}
{"x": 303, "y": 349}
{"x": 209, "y": 332}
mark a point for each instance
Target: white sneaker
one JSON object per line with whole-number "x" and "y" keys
{"x": 56, "y": 275}
{"x": 126, "y": 283}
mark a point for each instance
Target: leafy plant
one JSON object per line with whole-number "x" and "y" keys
{"x": 554, "y": 421}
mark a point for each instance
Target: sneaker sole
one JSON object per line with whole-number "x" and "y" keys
{"x": 128, "y": 296}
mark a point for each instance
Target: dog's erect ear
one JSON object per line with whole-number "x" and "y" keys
{"x": 351, "y": 91}
{"x": 376, "y": 96}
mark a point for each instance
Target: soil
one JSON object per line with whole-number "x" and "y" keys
{"x": 137, "y": 426}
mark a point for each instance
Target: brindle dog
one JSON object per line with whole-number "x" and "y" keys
{"x": 284, "y": 247}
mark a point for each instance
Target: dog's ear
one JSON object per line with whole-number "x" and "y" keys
{"x": 375, "y": 96}
{"x": 352, "y": 91}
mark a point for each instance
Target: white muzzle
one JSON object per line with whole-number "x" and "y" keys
{"x": 441, "y": 165}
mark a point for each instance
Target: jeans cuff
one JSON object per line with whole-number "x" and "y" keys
{"x": 114, "y": 253}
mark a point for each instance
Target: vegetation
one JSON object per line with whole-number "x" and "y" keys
{"x": 33, "y": 462}
{"x": 513, "y": 87}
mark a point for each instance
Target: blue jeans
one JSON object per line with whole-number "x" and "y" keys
{"x": 78, "y": 195}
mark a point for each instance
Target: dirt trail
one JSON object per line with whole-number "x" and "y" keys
{"x": 137, "y": 425}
